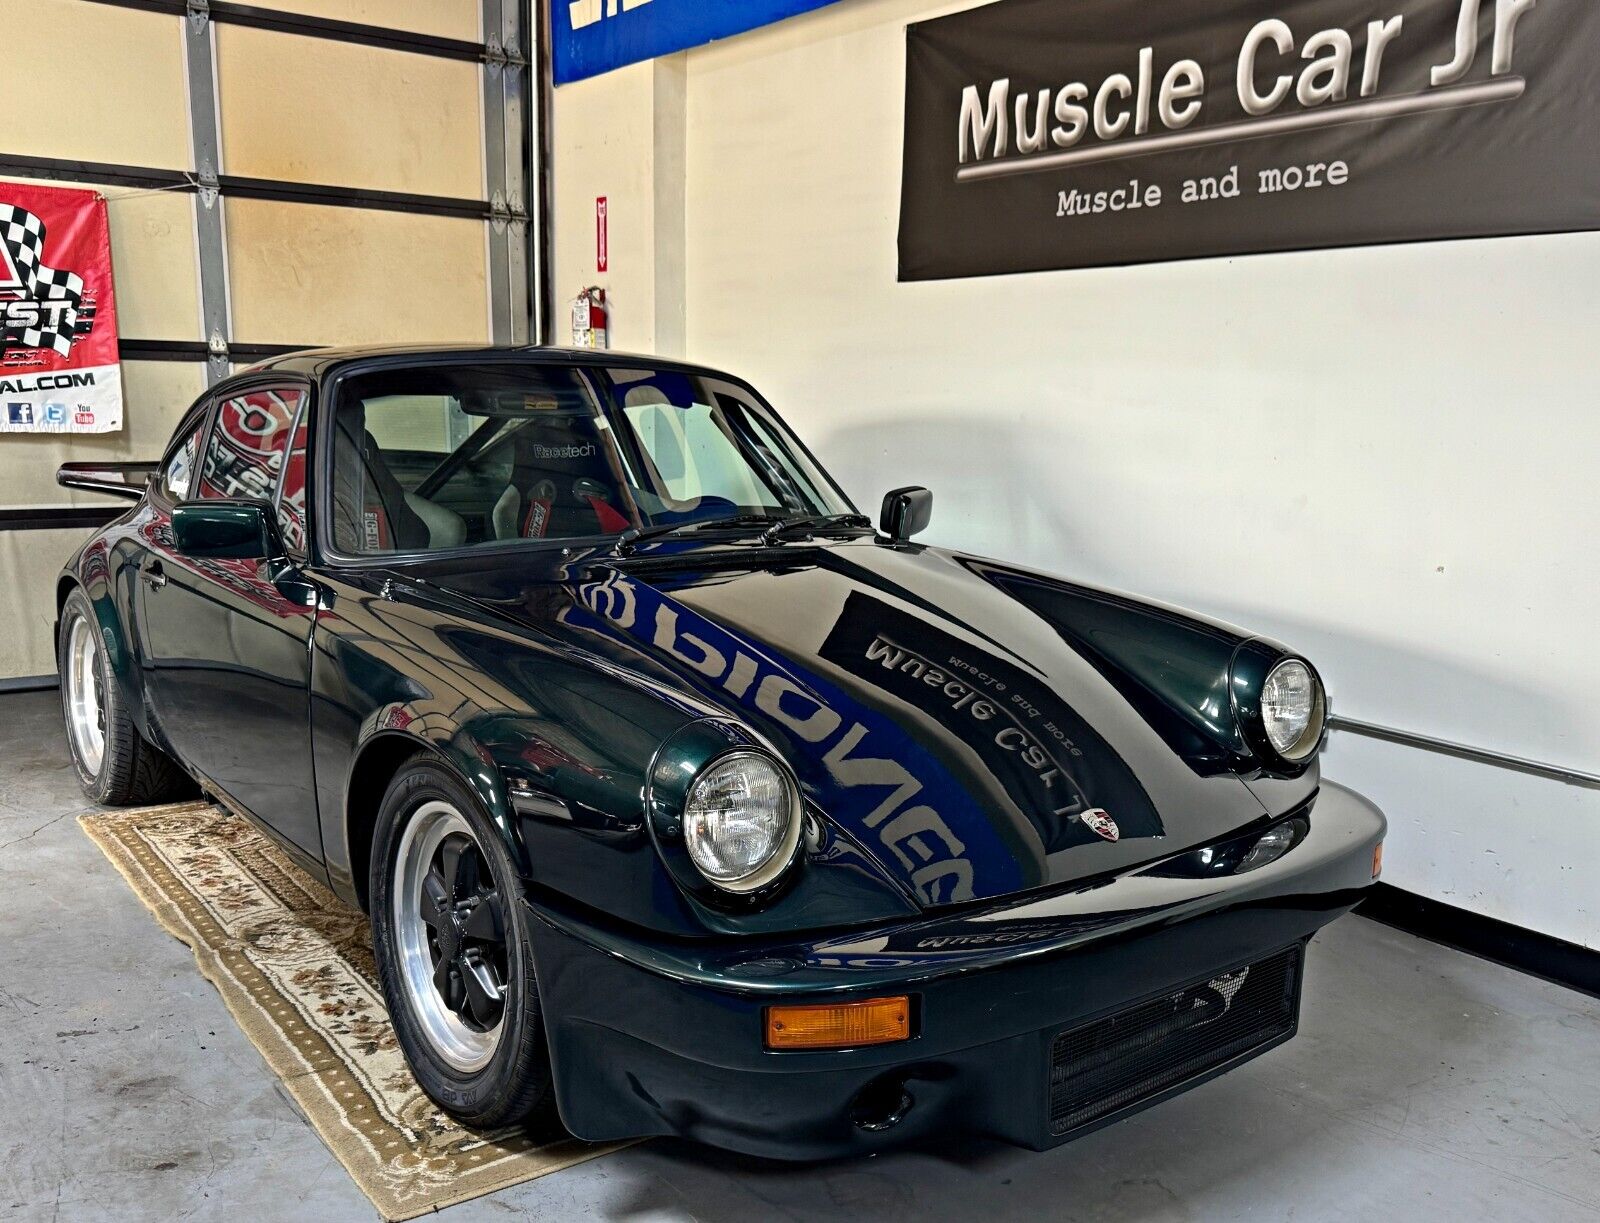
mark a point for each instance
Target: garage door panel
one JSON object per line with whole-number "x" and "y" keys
{"x": 439, "y": 18}
{"x": 31, "y": 560}
{"x": 317, "y": 111}
{"x": 155, "y": 394}
{"x": 152, "y": 259}
{"x": 121, "y": 99}
{"x": 307, "y": 273}
{"x": 153, "y": 264}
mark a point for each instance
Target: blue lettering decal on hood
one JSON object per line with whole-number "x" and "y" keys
{"x": 865, "y": 771}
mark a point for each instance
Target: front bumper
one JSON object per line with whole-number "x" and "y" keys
{"x": 649, "y": 1038}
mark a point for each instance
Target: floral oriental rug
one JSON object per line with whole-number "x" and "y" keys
{"x": 295, "y": 967}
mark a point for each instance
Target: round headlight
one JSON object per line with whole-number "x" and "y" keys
{"x": 741, "y": 821}
{"x": 1292, "y": 710}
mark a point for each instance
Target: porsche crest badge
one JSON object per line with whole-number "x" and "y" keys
{"x": 1099, "y": 822}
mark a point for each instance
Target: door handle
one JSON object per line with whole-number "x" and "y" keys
{"x": 153, "y": 575}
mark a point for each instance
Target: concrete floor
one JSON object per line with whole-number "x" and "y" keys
{"x": 1424, "y": 1084}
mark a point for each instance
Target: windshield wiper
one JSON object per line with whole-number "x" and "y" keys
{"x": 814, "y": 523}
{"x": 636, "y": 535}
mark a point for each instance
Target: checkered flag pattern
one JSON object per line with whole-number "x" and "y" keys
{"x": 23, "y": 235}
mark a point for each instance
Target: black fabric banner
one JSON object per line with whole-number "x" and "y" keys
{"x": 1045, "y": 134}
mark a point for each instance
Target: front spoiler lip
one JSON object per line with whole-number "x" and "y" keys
{"x": 1333, "y": 862}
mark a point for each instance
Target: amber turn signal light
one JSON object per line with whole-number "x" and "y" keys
{"x": 1377, "y": 860}
{"x": 840, "y": 1025}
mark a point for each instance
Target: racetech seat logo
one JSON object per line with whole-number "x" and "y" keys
{"x": 570, "y": 451}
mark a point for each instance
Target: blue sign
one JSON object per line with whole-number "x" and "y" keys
{"x": 595, "y": 36}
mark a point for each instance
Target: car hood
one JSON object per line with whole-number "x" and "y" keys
{"x": 951, "y": 729}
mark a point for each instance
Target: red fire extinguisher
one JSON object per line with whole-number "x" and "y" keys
{"x": 591, "y": 319}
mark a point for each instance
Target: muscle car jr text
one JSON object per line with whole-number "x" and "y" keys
{"x": 683, "y": 801}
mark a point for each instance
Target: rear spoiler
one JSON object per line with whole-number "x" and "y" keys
{"x": 114, "y": 479}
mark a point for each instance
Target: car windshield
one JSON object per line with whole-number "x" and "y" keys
{"x": 465, "y": 455}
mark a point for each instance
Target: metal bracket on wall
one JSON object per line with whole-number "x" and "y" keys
{"x": 209, "y": 186}
{"x": 200, "y": 58}
{"x": 515, "y": 97}
{"x": 505, "y": 92}
{"x": 498, "y": 54}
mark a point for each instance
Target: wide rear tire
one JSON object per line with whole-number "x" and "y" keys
{"x": 116, "y": 765}
{"x": 454, "y": 956}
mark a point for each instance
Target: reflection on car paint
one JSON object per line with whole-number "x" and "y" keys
{"x": 1054, "y": 767}
{"x": 943, "y": 850}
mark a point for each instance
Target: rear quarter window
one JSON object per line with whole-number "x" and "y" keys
{"x": 177, "y": 474}
{"x": 246, "y": 453}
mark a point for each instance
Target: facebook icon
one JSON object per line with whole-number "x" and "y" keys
{"x": 19, "y": 413}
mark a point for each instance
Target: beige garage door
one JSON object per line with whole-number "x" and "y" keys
{"x": 311, "y": 173}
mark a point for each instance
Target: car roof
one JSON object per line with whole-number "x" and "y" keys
{"x": 320, "y": 363}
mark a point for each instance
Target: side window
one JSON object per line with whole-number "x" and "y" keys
{"x": 177, "y": 477}
{"x": 249, "y": 444}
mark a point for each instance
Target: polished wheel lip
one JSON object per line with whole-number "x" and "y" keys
{"x": 86, "y": 717}
{"x": 463, "y": 1047}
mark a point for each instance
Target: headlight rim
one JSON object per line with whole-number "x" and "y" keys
{"x": 1252, "y": 663}
{"x": 776, "y": 866}
{"x": 1310, "y": 740}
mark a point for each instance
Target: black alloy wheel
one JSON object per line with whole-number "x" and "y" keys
{"x": 455, "y": 953}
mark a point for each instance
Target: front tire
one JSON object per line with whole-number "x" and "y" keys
{"x": 117, "y": 766}
{"x": 454, "y": 954}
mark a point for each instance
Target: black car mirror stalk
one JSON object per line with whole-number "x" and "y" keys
{"x": 906, "y": 512}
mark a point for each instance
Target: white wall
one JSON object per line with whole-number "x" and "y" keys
{"x": 1383, "y": 457}
{"x": 622, "y": 136}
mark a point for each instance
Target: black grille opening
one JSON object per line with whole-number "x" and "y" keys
{"x": 1111, "y": 1063}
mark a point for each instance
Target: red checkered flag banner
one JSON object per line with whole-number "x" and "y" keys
{"x": 59, "y": 367}
{"x": 22, "y": 234}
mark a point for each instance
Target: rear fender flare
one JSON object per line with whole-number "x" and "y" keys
{"x": 89, "y": 572}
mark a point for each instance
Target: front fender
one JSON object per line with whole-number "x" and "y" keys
{"x": 1186, "y": 674}
{"x": 557, "y": 744}
{"x": 555, "y": 749}
{"x": 392, "y": 739}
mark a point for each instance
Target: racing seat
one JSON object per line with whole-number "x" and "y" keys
{"x": 562, "y": 486}
{"x": 373, "y": 512}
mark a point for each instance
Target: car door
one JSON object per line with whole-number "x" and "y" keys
{"x": 227, "y": 665}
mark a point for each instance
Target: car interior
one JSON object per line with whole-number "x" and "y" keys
{"x": 483, "y": 458}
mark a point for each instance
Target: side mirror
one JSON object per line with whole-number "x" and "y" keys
{"x": 906, "y": 512}
{"x": 223, "y": 530}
